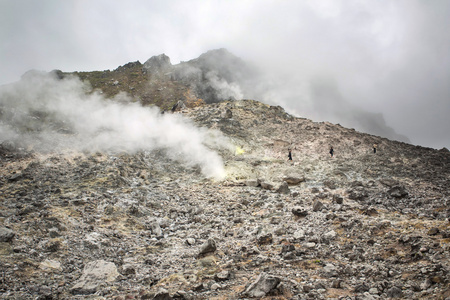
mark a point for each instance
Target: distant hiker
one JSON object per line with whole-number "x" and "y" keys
{"x": 331, "y": 151}
{"x": 375, "y": 148}
{"x": 290, "y": 154}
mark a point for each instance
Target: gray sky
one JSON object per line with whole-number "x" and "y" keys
{"x": 384, "y": 56}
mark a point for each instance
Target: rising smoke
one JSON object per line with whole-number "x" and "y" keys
{"x": 219, "y": 75}
{"x": 320, "y": 99}
{"x": 215, "y": 76}
{"x": 45, "y": 113}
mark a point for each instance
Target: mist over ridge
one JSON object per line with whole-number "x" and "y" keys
{"x": 384, "y": 57}
{"x": 219, "y": 75}
{"x": 46, "y": 113}
{"x": 121, "y": 109}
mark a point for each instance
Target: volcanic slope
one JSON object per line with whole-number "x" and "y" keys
{"x": 359, "y": 225}
{"x": 212, "y": 77}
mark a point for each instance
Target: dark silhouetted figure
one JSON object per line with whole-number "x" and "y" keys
{"x": 331, "y": 151}
{"x": 290, "y": 154}
{"x": 374, "y": 148}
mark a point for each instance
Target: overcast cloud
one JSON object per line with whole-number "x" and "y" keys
{"x": 387, "y": 57}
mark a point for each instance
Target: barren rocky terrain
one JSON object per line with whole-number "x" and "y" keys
{"x": 360, "y": 225}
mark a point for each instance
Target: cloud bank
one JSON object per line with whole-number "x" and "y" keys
{"x": 46, "y": 113}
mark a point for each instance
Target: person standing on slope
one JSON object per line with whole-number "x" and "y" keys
{"x": 375, "y": 148}
{"x": 331, "y": 151}
{"x": 290, "y": 154}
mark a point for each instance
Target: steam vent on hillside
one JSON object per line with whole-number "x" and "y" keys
{"x": 158, "y": 181}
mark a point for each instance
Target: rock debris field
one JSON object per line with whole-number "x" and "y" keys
{"x": 359, "y": 225}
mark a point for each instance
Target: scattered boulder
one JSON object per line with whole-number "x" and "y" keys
{"x": 94, "y": 275}
{"x": 252, "y": 182}
{"x": 283, "y": 188}
{"x": 266, "y": 185}
{"x": 330, "y": 270}
{"x": 15, "y": 177}
{"x": 287, "y": 248}
{"x": 263, "y": 285}
{"x": 299, "y": 212}
{"x": 433, "y": 231}
{"x": 358, "y": 194}
{"x": 398, "y": 192}
{"x": 294, "y": 180}
{"x": 227, "y": 114}
{"x": 336, "y": 284}
{"x": 222, "y": 276}
{"x": 317, "y": 206}
{"x": 128, "y": 269}
{"x": 330, "y": 184}
{"x": 179, "y": 106}
{"x": 207, "y": 261}
{"x": 394, "y": 292}
{"x": 190, "y": 241}
{"x": 162, "y": 294}
{"x": 388, "y": 182}
{"x": 265, "y": 239}
{"x": 370, "y": 211}
{"x": 6, "y": 235}
{"x": 361, "y": 288}
{"x": 330, "y": 235}
{"x": 156, "y": 228}
{"x": 299, "y": 234}
{"x": 51, "y": 265}
{"x": 208, "y": 247}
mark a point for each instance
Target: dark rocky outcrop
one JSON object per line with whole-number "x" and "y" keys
{"x": 263, "y": 285}
{"x": 6, "y": 235}
{"x": 157, "y": 64}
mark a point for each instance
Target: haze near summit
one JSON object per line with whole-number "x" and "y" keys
{"x": 328, "y": 60}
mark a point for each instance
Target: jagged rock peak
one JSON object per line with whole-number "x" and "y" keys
{"x": 157, "y": 63}
{"x": 129, "y": 65}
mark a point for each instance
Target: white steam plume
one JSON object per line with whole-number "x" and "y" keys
{"x": 223, "y": 88}
{"x": 47, "y": 113}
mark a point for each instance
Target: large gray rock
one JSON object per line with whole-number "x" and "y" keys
{"x": 263, "y": 285}
{"x": 283, "y": 188}
{"x": 95, "y": 274}
{"x": 266, "y": 185}
{"x": 252, "y": 182}
{"x": 395, "y": 292}
{"x": 299, "y": 211}
{"x": 317, "y": 206}
{"x": 208, "y": 247}
{"x": 398, "y": 192}
{"x": 179, "y": 106}
{"x": 264, "y": 239}
{"x": 6, "y": 234}
{"x": 156, "y": 228}
{"x": 293, "y": 180}
{"x": 227, "y": 114}
{"x": 157, "y": 64}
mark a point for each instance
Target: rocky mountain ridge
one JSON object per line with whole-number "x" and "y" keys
{"x": 212, "y": 77}
{"x": 117, "y": 225}
{"x": 218, "y": 75}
